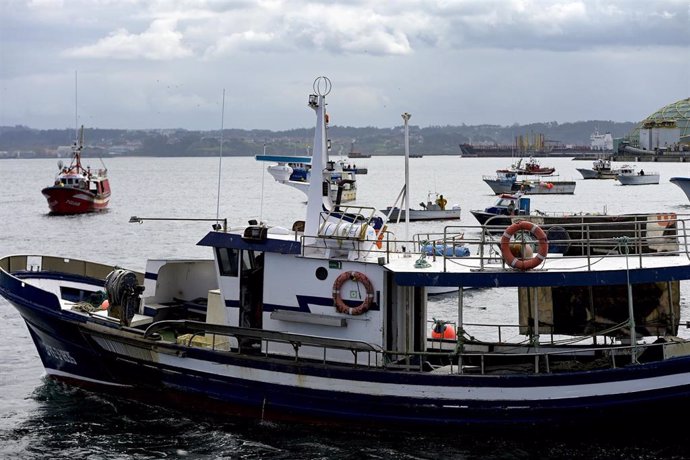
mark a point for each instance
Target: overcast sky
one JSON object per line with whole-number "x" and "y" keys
{"x": 165, "y": 64}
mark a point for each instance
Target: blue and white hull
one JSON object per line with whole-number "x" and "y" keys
{"x": 95, "y": 352}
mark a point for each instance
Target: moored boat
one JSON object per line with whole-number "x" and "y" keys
{"x": 507, "y": 182}
{"x": 76, "y": 189}
{"x": 601, "y": 169}
{"x": 531, "y": 167}
{"x": 329, "y": 323}
{"x": 433, "y": 209}
{"x": 630, "y": 175}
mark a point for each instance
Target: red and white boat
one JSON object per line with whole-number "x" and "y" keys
{"x": 531, "y": 167}
{"x": 77, "y": 189}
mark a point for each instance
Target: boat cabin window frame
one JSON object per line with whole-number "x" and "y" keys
{"x": 228, "y": 261}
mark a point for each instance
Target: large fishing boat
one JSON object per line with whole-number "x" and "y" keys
{"x": 76, "y": 189}
{"x": 328, "y": 322}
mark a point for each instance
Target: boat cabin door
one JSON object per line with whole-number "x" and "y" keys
{"x": 251, "y": 289}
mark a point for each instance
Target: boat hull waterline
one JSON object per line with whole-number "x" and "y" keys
{"x": 64, "y": 200}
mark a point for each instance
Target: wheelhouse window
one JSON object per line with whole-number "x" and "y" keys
{"x": 228, "y": 261}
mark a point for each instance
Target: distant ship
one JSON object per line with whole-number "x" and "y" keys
{"x": 602, "y": 142}
{"x": 353, "y": 154}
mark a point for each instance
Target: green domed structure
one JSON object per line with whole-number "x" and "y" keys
{"x": 675, "y": 115}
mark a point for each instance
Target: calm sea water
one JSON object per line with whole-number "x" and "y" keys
{"x": 43, "y": 419}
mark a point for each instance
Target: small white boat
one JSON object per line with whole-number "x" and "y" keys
{"x": 601, "y": 169}
{"x": 630, "y": 175}
{"x": 432, "y": 210}
{"x": 507, "y": 182}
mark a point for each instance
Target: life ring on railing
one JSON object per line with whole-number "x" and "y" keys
{"x": 517, "y": 262}
{"x": 358, "y": 277}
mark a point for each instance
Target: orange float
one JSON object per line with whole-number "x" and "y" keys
{"x": 442, "y": 330}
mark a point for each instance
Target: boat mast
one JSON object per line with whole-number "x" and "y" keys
{"x": 316, "y": 196}
{"x": 76, "y": 116}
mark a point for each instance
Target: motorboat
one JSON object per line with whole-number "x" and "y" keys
{"x": 630, "y": 175}
{"x": 508, "y": 182}
{"x": 431, "y": 210}
{"x": 601, "y": 169}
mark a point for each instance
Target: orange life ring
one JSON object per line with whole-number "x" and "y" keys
{"x": 517, "y": 262}
{"x": 359, "y": 277}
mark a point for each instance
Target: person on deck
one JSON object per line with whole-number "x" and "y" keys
{"x": 441, "y": 202}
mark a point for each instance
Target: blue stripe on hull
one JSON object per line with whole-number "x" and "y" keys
{"x": 281, "y": 402}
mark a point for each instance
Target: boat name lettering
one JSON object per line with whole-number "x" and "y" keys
{"x": 73, "y": 203}
{"x": 59, "y": 354}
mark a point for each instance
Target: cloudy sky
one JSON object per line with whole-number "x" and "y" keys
{"x": 166, "y": 63}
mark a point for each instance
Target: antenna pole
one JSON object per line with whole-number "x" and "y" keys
{"x": 76, "y": 116}
{"x": 220, "y": 152}
{"x": 406, "y": 117}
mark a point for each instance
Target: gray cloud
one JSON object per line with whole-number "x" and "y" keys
{"x": 164, "y": 64}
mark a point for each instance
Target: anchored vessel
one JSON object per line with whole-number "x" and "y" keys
{"x": 531, "y": 168}
{"x": 507, "y": 182}
{"x": 76, "y": 189}
{"x": 630, "y": 175}
{"x": 601, "y": 169}
{"x": 329, "y": 323}
{"x": 431, "y": 210}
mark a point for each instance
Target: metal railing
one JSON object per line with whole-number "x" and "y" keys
{"x": 587, "y": 237}
{"x": 458, "y": 360}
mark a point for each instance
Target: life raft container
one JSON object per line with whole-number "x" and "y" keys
{"x": 358, "y": 277}
{"x": 518, "y": 262}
